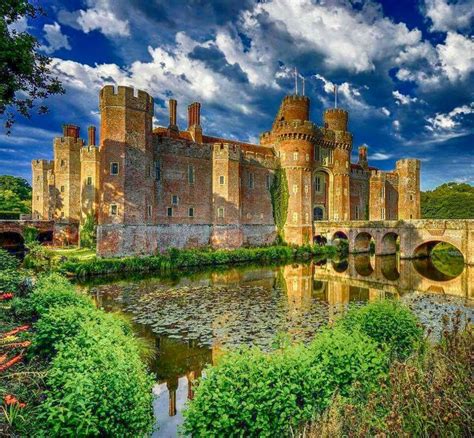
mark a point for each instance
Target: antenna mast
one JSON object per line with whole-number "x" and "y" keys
{"x": 296, "y": 81}
{"x": 335, "y": 96}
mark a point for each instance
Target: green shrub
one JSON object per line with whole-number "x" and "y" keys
{"x": 51, "y": 290}
{"x": 61, "y": 324}
{"x": 10, "y": 280}
{"x": 37, "y": 258}
{"x": 251, "y": 393}
{"x": 88, "y": 233}
{"x": 97, "y": 386}
{"x": 7, "y": 261}
{"x": 389, "y": 323}
{"x": 30, "y": 235}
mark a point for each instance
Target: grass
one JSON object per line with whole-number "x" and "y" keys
{"x": 81, "y": 254}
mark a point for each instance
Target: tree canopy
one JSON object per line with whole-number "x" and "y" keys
{"x": 25, "y": 74}
{"x": 15, "y": 194}
{"x": 448, "y": 201}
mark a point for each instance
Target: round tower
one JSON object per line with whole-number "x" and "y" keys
{"x": 294, "y": 136}
{"x": 336, "y": 119}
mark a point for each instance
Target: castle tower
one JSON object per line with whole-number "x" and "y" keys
{"x": 226, "y": 196}
{"x": 194, "y": 121}
{"x": 377, "y": 196}
{"x": 294, "y": 136}
{"x": 408, "y": 171}
{"x": 335, "y": 120}
{"x": 90, "y": 168}
{"x": 42, "y": 205}
{"x": 67, "y": 174}
{"x": 126, "y": 178}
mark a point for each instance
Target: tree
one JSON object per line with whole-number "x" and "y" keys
{"x": 448, "y": 201}
{"x": 15, "y": 194}
{"x": 25, "y": 74}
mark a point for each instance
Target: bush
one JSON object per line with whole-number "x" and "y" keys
{"x": 389, "y": 323}
{"x": 10, "y": 277}
{"x": 7, "y": 261}
{"x": 256, "y": 394}
{"x": 63, "y": 323}
{"x": 51, "y": 290}
{"x": 97, "y": 386}
{"x": 37, "y": 258}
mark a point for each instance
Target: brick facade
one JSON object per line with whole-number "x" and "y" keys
{"x": 155, "y": 188}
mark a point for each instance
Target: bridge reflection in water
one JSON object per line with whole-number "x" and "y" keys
{"x": 334, "y": 283}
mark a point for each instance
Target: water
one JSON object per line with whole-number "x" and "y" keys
{"x": 191, "y": 319}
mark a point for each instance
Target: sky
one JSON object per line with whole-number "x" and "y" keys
{"x": 404, "y": 71}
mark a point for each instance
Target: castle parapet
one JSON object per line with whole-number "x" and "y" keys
{"x": 129, "y": 97}
{"x": 336, "y": 119}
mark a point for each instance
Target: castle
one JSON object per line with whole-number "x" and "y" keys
{"x": 150, "y": 189}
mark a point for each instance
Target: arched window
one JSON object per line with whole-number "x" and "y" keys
{"x": 318, "y": 213}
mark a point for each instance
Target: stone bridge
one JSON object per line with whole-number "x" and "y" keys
{"x": 12, "y": 232}
{"x": 416, "y": 238}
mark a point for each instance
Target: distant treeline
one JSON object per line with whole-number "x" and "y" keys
{"x": 448, "y": 201}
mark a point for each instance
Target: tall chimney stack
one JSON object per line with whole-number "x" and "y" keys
{"x": 71, "y": 131}
{"x": 363, "y": 156}
{"x": 194, "y": 121}
{"x": 91, "y": 135}
{"x": 172, "y": 108}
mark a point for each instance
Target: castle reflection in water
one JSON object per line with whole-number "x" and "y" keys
{"x": 179, "y": 363}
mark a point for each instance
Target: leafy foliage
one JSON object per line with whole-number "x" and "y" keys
{"x": 280, "y": 196}
{"x": 7, "y": 261}
{"x": 51, "y": 290}
{"x": 30, "y": 235}
{"x": 429, "y": 395}
{"x": 15, "y": 194}
{"x": 388, "y": 323}
{"x": 10, "y": 278}
{"x": 24, "y": 73}
{"x": 87, "y": 234}
{"x": 256, "y": 394}
{"x": 448, "y": 201}
{"x": 97, "y": 387}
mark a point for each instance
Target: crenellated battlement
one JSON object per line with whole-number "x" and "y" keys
{"x": 413, "y": 163}
{"x": 128, "y": 97}
{"x": 336, "y": 119}
{"x": 42, "y": 164}
{"x": 226, "y": 150}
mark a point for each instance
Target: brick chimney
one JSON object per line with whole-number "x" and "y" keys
{"x": 91, "y": 135}
{"x": 71, "y": 131}
{"x": 363, "y": 156}
{"x": 172, "y": 108}
{"x": 194, "y": 121}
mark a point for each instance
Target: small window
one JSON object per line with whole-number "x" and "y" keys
{"x": 62, "y": 214}
{"x": 150, "y": 211}
{"x": 89, "y": 180}
{"x": 306, "y": 188}
{"x": 295, "y": 217}
{"x": 220, "y": 212}
{"x": 63, "y": 163}
{"x": 382, "y": 193}
{"x": 191, "y": 212}
{"x": 62, "y": 189}
{"x": 383, "y": 213}
{"x": 268, "y": 182}
{"x": 113, "y": 209}
{"x": 37, "y": 178}
{"x": 411, "y": 197}
{"x": 169, "y": 212}
{"x": 222, "y": 180}
{"x": 411, "y": 216}
{"x": 316, "y": 152}
{"x": 174, "y": 199}
{"x": 191, "y": 174}
{"x": 157, "y": 170}
{"x": 317, "y": 184}
{"x": 295, "y": 188}
{"x": 114, "y": 168}
{"x": 148, "y": 171}
{"x": 295, "y": 156}
{"x": 37, "y": 198}
{"x": 357, "y": 212}
{"x": 307, "y": 157}
{"x": 250, "y": 181}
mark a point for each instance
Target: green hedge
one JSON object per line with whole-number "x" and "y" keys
{"x": 10, "y": 277}
{"x": 390, "y": 324}
{"x": 9, "y": 215}
{"x": 250, "y": 393}
{"x": 175, "y": 258}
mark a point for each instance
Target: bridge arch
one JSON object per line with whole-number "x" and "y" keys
{"x": 12, "y": 241}
{"x": 362, "y": 242}
{"x": 389, "y": 243}
{"x": 340, "y": 266}
{"x": 424, "y": 249}
{"x": 45, "y": 237}
{"x": 320, "y": 240}
{"x": 363, "y": 265}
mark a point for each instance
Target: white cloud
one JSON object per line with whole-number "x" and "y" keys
{"x": 55, "y": 38}
{"x": 350, "y": 39}
{"x": 100, "y": 16}
{"x": 456, "y": 56}
{"x": 380, "y": 156}
{"x": 403, "y": 99}
{"x": 449, "y": 16}
{"x": 396, "y": 125}
{"x": 385, "y": 111}
{"x": 449, "y": 121}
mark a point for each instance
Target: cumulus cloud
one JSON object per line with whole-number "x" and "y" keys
{"x": 403, "y": 99}
{"x": 456, "y": 56}
{"x": 99, "y": 16}
{"x": 55, "y": 38}
{"x": 446, "y": 16}
{"x": 449, "y": 121}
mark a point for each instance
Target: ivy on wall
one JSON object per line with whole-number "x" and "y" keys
{"x": 87, "y": 233}
{"x": 280, "y": 195}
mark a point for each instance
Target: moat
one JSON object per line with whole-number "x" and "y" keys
{"x": 190, "y": 319}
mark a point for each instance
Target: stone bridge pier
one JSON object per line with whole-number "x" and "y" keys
{"x": 414, "y": 238}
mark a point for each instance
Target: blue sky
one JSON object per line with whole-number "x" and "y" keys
{"x": 404, "y": 69}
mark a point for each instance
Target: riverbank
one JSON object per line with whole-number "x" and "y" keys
{"x": 188, "y": 258}
{"x": 67, "y": 368}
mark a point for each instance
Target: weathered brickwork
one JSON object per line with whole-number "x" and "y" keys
{"x": 150, "y": 189}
